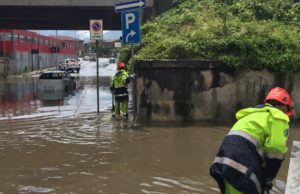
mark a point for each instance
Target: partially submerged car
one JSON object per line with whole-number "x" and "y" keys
{"x": 51, "y": 81}
{"x": 70, "y": 65}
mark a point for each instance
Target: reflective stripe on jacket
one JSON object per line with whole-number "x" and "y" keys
{"x": 259, "y": 136}
{"x": 238, "y": 163}
{"x": 119, "y": 85}
{"x": 269, "y": 126}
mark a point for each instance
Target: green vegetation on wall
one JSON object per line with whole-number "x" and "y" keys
{"x": 246, "y": 34}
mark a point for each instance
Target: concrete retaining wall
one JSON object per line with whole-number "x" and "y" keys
{"x": 23, "y": 62}
{"x": 192, "y": 90}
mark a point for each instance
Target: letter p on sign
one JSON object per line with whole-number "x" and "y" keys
{"x": 130, "y": 18}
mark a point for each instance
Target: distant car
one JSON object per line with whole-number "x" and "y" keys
{"x": 112, "y": 60}
{"x": 93, "y": 59}
{"x": 51, "y": 81}
{"x": 86, "y": 58}
{"x": 70, "y": 65}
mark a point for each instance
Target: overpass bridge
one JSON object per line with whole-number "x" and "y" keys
{"x": 69, "y": 14}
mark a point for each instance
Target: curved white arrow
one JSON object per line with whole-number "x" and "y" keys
{"x": 131, "y": 34}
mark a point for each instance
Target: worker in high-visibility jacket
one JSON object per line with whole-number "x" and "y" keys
{"x": 119, "y": 88}
{"x": 252, "y": 152}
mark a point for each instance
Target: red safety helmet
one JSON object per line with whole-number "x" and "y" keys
{"x": 121, "y": 66}
{"x": 282, "y": 96}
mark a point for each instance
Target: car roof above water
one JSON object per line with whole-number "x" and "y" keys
{"x": 52, "y": 75}
{"x": 54, "y": 71}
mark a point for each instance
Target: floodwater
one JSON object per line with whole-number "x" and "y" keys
{"x": 19, "y": 97}
{"x": 69, "y": 149}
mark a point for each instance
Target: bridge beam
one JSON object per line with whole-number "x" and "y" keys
{"x": 63, "y": 14}
{"x": 52, "y": 17}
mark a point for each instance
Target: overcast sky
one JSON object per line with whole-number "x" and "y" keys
{"x": 81, "y": 34}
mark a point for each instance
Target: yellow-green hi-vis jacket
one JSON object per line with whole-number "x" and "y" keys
{"x": 253, "y": 150}
{"x": 269, "y": 126}
{"x": 119, "y": 85}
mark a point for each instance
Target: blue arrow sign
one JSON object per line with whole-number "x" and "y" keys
{"x": 132, "y": 5}
{"x": 131, "y": 27}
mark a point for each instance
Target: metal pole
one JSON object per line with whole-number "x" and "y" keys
{"x": 56, "y": 50}
{"x": 97, "y": 66}
{"x": 4, "y": 40}
{"x": 134, "y": 101}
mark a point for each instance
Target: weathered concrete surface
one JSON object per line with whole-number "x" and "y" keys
{"x": 191, "y": 90}
{"x": 293, "y": 179}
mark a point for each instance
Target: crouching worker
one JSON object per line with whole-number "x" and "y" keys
{"x": 252, "y": 152}
{"x": 119, "y": 88}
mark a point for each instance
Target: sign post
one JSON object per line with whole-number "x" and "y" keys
{"x": 130, "y": 18}
{"x": 96, "y": 32}
{"x": 131, "y": 27}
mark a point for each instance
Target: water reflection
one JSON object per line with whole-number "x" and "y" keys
{"x": 52, "y": 98}
{"x": 19, "y": 97}
{"x": 93, "y": 154}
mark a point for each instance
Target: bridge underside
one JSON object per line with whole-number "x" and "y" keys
{"x": 60, "y": 18}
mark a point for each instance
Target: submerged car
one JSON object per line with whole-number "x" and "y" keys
{"x": 51, "y": 81}
{"x": 54, "y": 98}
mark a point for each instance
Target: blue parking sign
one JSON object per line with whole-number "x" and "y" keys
{"x": 131, "y": 27}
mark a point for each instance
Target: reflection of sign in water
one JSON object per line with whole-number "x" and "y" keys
{"x": 96, "y": 29}
{"x": 131, "y": 27}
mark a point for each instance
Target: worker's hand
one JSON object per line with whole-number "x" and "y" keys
{"x": 268, "y": 185}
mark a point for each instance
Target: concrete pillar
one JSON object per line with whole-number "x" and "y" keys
{"x": 293, "y": 179}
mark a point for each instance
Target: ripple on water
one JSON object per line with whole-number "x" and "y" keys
{"x": 163, "y": 184}
{"x": 30, "y": 189}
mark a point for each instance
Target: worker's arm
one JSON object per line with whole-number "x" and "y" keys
{"x": 275, "y": 146}
{"x": 129, "y": 78}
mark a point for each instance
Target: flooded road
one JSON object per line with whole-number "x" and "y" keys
{"x": 46, "y": 150}
{"x": 19, "y": 97}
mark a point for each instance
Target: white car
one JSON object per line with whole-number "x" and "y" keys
{"x": 70, "y": 65}
{"x": 86, "y": 58}
{"x": 112, "y": 60}
{"x": 51, "y": 81}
